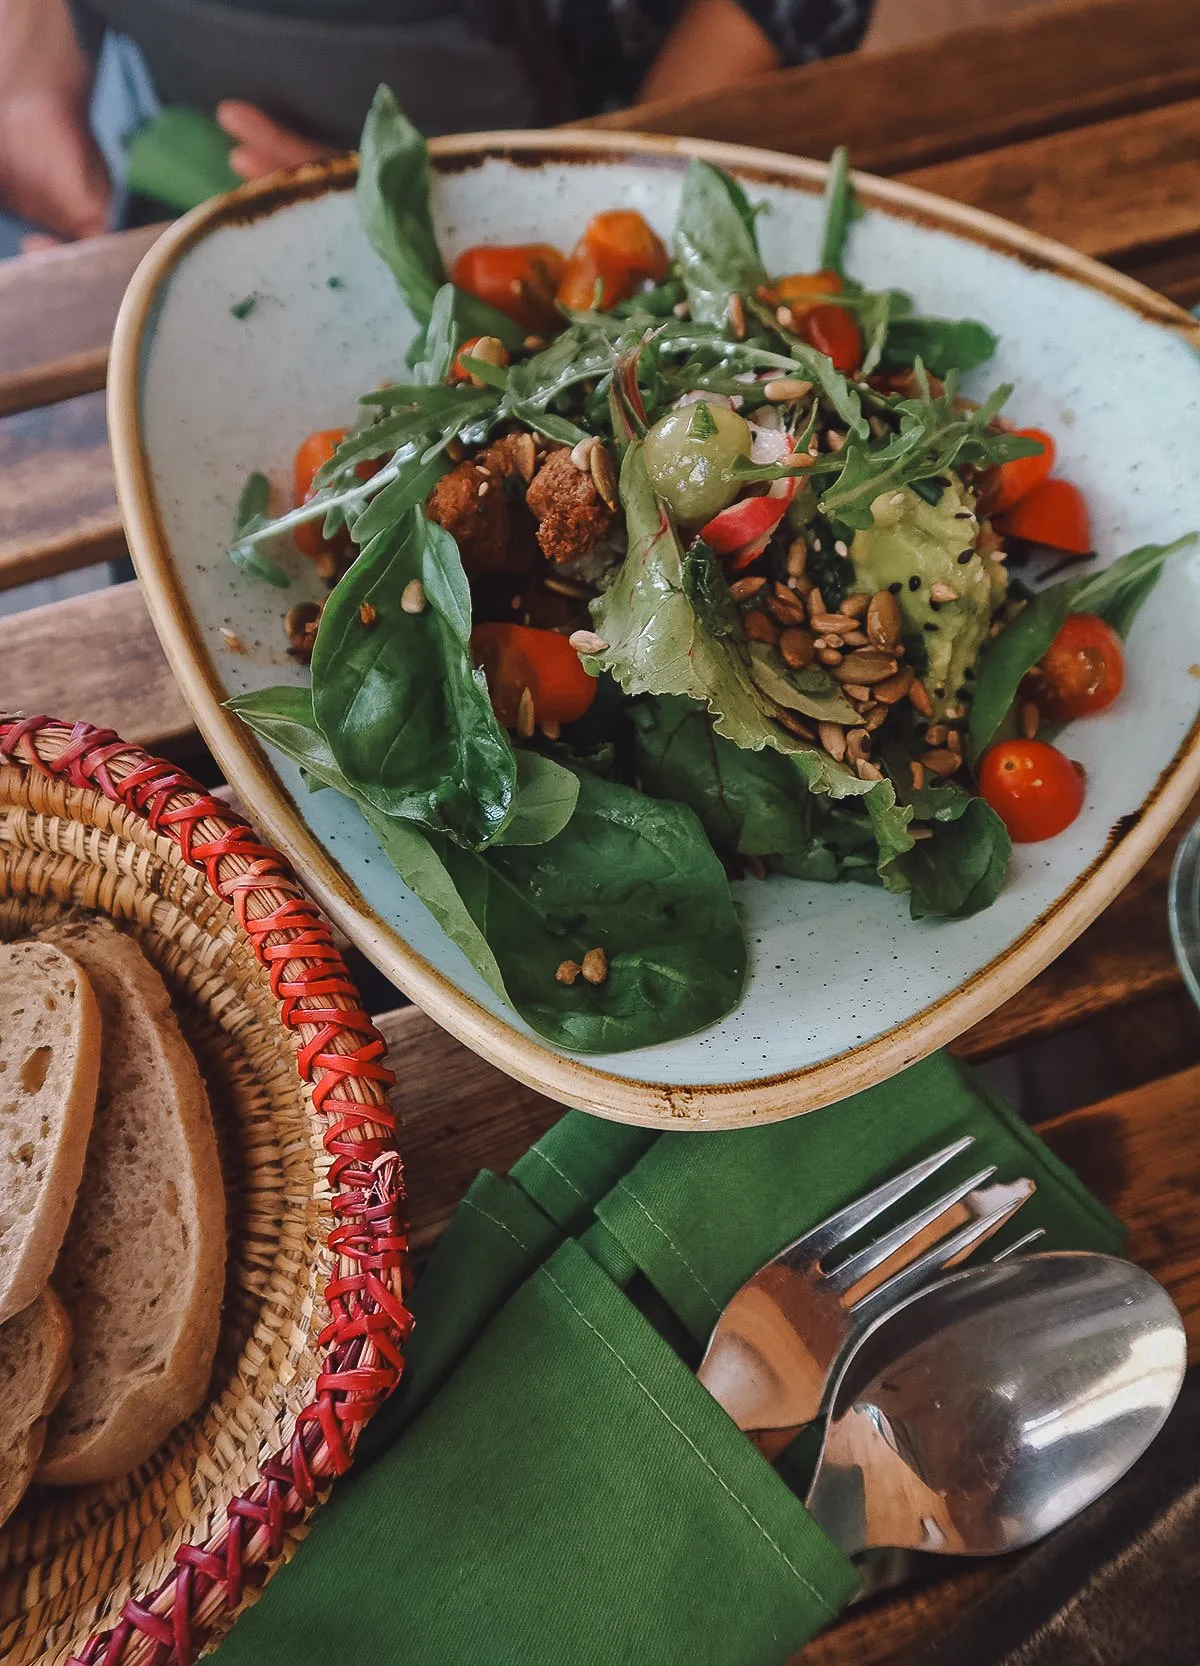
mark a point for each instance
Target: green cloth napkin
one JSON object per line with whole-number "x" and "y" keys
{"x": 551, "y": 1484}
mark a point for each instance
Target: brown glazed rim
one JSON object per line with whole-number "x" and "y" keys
{"x": 571, "y": 1079}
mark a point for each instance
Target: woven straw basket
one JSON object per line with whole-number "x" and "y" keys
{"x": 148, "y": 1570}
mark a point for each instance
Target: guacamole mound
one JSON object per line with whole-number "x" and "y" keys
{"x": 915, "y": 546}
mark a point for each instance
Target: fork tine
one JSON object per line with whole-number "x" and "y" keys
{"x": 1021, "y": 1245}
{"x": 828, "y": 1234}
{"x": 951, "y": 1250}
{"x": 845, "y": 1276}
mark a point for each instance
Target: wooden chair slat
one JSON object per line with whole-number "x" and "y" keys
{"x": 1108, "y": 189}
{"x": 1041, "y": 73}
{"x": 96, "y": 657}
{"x": 58, "y": 505}
{"x": 56, "y": 316}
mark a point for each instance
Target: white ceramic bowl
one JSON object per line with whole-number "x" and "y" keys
{"x": 844, "y": 988}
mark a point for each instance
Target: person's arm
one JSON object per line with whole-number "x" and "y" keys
{"x": 51, "y": 171}
{"x": 713, "y": 44}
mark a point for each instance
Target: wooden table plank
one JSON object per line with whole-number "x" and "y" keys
{"x": 118, "y": 677}
{"x": 56, "y": 316}
{"x": 1109, "y": 189}
{"x": 1029, "y": 74}
{"x": 58, "y": 503}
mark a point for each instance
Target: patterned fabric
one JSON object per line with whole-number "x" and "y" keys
{"x": 607, "y": 49}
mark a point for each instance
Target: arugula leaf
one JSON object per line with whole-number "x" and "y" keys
{"x": 435, "y": 414}
{"x": 635, "y": 877}
{"x": 582, "y": 352}
{"x": 715, "y": 243}
{"x": 440, "y": 339}
{"x": 933, "y": 437}
{"x": 407, "y": 717}
{"x": 841, "y": 208}
{"x": 415, "y": 479}
{"x": 392, "y": 198}
{"x": 941, "y": 344}
{"x": 249, "y": 519}
{"x": 1115, "y": 594}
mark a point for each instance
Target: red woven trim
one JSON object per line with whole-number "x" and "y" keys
{"x": 369, "y": 1323}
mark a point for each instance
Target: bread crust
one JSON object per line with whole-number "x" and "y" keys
{"x": 144, "y": 1343}
{"x": 31, "y": 972}
{"x": 36, "y": 1385}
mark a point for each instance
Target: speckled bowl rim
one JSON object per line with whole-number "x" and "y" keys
{"x": 570, "y": 1079}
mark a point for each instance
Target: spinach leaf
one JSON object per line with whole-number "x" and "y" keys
{"x": 250, "y": 519}
{"x": 633, "y": 876}
{"x": 941, "y": 344}
{"x": 841, "y": 208}
{"x": 626, "y": 874}
{"x": 545, "y": 802}
{"x": 715, "y": 243}
{"x": 392, "y": 198}
{"x": 1115, "y": 594}
{"x": 407, "y": 717}
{"x": 962, "y": 866}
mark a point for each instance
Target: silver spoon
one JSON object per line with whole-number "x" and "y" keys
{"x": 996, "y": 1404}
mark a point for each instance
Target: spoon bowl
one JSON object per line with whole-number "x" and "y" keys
{"x": 998, "y": 1403}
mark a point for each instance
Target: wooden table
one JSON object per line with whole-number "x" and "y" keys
{"x": 1083, "y": 124}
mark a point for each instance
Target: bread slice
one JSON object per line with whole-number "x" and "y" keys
{"x": 34, "y": 1372}
{"x": 143, "y": 1266}
{"x": 49, "y": 1058}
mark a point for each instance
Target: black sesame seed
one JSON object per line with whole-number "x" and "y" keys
{"x": 914, "y": 582}
{"x": 969, "y": 673}
{"x": 935, "y": 607}
{"x": 963, "y": 515}
{"x": 965, "y": 557}
{"x": 895, "y": 589}
{"x": 930, "y": 626}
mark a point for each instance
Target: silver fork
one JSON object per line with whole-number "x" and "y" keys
{"x": 770, "y": 1355}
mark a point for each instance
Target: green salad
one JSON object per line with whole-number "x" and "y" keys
{"x": 653, "y": 570}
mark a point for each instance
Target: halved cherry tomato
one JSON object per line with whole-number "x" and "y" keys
{"x": 496, "y": 353}
{"x": 1033, "y": 787}
{"x": 616, "y": 253}
{"x": 518, "y": 279}
{"x": 833, "y": 331}
{"x": 1008, "y": 483}
{"x": 1053, "y": 513}
{"x": 315, "y": 451}
{"x": 799, "y": 290}
{"x": 518, "y": 657}
{"x": 1083, "y": 670}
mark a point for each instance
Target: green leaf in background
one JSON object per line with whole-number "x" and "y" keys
{"x": 250, "y": 518}
{"x": 842, "y": 207}
{"x": 632, "y": 876}
{"x": 180, "y": 158}
{"x": 715, "y": 243}
{"x": 407, "y": 716}
{"x": 392, "y": 198}
{"x": 1116, "y": 593}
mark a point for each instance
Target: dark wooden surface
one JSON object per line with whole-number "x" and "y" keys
{"x": 1084, "y": 124}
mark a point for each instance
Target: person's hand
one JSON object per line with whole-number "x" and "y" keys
{"x": 51, "y": 171}
{"x": 262, "y": 144}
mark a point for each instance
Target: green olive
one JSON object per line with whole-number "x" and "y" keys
{"x": 690, "y": 454}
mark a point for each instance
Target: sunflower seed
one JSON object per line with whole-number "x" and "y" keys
{"x": 604, "y": 476}
{"x": 856, "y": 605}
{"x": 526, "y": 716}
{"x": 858, "y": 745}
{"x": 874, "y": 716}
{"x": 884, "y": 623}
{"x": 759, "y": 628}
{"x": 581, "y": 452}
{"x": 941, "y": 592}
{"x": 1031, "y": 719}
{"x": 917, "y": 771}
{"x": 782, "y": 389}
{"x": 856, "y": 639}
{"x": 595, "y": 966}
{"x": 918, "y": 694}
{"x": 797, "y": 558}
{"x": 743, "y": 588}
{"x": 825, "y": 622}
{"x": 525, "y": 456}
{"x": 737, "y": 317}
{"x": 833, "y": 738}
{"x": 858, "y": 692}
{"x": 587, "y": 642}
{"x": 830, "y": 657}
{"x": 940, "y": 760}
{"x": 892, "y": 689}
{"x": 568, "y": 971}
{"x": 867, "y": 771}
{"x": 786, "y": 606}
{"x": 796, "y": 648}
{"x": 412, "y": 597}
{"x": 795, "y": 724}
{"x": 867, "y": 665}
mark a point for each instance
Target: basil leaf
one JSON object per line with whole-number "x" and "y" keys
{"x": 392, "y": 198}
{"x": 715, "y": 243}
{"x": 283, "y": 716}
{"x": 632, "y": 876}
{"x": 250, "y": 517}
{"x": 941, "y": 344}
{"x": 407, "y": 717}
{"x": 841, "y": 208}
{"x": 1116, "y": 594}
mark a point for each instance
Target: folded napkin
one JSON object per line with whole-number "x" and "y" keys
{"x": 551, "y": 1484}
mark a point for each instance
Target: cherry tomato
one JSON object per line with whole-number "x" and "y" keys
{"x": 1053, "y": 513}
{"x": 833, "y": 331}
{"x": 316, "y": 450}
{"x": 1083, "y": 671}
{"x": 616, "y": 253}
{"x": 518, "y": 657}
{"x": 799, "y": 290}
{"x": 518, "y": 279}
{"x": 1008, "y": 483}
{"x": 1033, "y": 787}
{"x": 494, "y": 352}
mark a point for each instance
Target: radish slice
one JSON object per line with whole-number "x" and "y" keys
{"x": 742, "y": 531}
